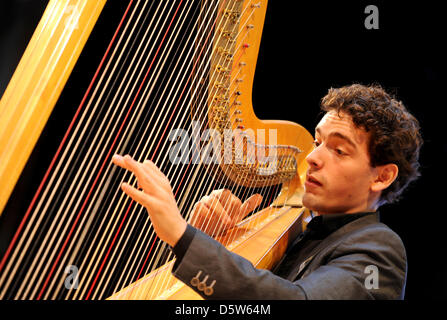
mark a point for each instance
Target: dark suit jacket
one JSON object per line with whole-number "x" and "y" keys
{"x": 342, "y": 265}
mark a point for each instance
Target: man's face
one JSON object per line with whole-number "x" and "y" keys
{"x": 339, "y": 175}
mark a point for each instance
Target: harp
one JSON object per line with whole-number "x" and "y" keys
{"x": 174, "y": 85}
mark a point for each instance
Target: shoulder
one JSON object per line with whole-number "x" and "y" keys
{"x": 361, "y": 260}
{"x": 373, "y": 237}
{"x": 373, "y": 246}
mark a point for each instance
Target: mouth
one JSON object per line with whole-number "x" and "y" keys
{"x": 312, "y": 182}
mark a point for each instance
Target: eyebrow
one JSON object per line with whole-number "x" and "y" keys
{"x": 339, "y": 135}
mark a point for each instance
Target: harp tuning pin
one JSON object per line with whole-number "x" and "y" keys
{"x": 256, "y": 5}
{"x": 242, "y": 64}
{"x": 219, "y": 85}
{"x": 233, "y": 15}
{"x": 245, "y": 45}
{"x": 221, "y": 69}
{"x": 250, "y": 26}
{"x": 226, "y": 33}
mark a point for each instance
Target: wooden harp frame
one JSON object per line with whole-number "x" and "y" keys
{"x": 37, "y": 84}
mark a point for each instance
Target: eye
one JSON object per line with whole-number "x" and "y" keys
{"x": 316, "y": 143}
{"x": 339, "y": 152}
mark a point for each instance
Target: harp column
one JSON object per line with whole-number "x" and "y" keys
{"x": 38, "y": 82}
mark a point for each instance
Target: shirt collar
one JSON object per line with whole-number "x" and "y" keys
{"x": 323, "y": 225}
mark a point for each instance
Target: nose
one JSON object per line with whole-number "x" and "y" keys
{"x": 314, "y": 159}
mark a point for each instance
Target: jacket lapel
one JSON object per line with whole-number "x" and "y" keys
{"x": 326, "y": 244}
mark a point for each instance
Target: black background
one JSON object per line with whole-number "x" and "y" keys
{"x": 305, "y": 50}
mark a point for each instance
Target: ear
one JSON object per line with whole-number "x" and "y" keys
{"x": 385, "y": 176}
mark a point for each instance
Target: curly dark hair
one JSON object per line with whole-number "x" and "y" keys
{"x": 394, "y": 133}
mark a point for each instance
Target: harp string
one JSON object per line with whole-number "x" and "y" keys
{"x": 168, "y": 258}
{"x": 156, "y": 162}
{"x": 24, "y": 219}
{"x": 77, "y": 184}
{"x": 178, "y": 181}
{"x": 116, "y": 210}
{"x": 159, "y": 243}
{"x": 70, "y": 203}
{"x": 116, "y": 248}
{"x": 108, "y": 155}
{"x": 151, "y": 132}
{"x": 108, "y": 233}
{"x": 112, "y": 171}
{"x": 207, "y": 181}
{"x": 201, "y": 181}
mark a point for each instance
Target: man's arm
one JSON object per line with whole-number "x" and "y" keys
{"x": 339, "y": 275}
{"x": 226, "y": 275}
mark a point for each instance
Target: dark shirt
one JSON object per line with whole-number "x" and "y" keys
{"x": 317, "y": 230}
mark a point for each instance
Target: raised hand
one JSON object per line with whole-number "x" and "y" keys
{"x": 156, "y": 196}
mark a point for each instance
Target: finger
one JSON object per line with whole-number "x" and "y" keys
{"x": 198, "y": 215}
{"x": 233, "y": 205}
{"x": 229, "y": 201}
{"x": 145, "y": 179}
{"x": 127, "y": 162}
{"x": 119, "y": 161}
{"x": 217, "y": 210}
{"x": 201, "y": 218}
{"x": 249, "y": 205}
{"x": 151, "y": 168}
{"x": 135, "y": 166}
{"x": 137, "y": 195}
{"x": 159, "y": 177}
{"x": 208, "y": 220}
{"x": 222, "y": 194}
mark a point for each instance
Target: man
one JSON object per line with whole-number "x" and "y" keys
{"x": 366, "y": 153}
